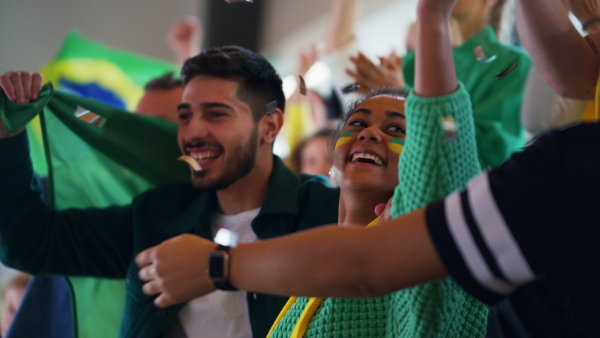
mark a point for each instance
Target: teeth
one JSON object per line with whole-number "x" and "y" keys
{"x": 204, "y": 156}
{"x": 372, "y": 157}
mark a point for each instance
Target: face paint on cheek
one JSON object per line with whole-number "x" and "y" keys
{"x": 344, "y": 138}
{"x": 396, "y": 145}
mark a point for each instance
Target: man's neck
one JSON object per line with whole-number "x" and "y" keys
{"x": 248, "y": 192}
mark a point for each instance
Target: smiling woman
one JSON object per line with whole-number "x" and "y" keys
{"x": 370, "y": 153}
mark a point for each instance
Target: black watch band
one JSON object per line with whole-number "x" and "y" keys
{"x": 218, "y": 268}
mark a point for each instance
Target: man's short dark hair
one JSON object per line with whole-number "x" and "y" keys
{"x": 165, "y": 82}
{"x": 258, "y": 81}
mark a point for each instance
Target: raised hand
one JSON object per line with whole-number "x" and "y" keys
{"x": 307, "y": 59}
{"x": 184, "y": 38}
{"x": 370, "y": 76}
{"x": 176, "y": 269}
{"x": 21, "y": 87}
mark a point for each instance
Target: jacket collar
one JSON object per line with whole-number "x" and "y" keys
{"x": 281, "y": 198}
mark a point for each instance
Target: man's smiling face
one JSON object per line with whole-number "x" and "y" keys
{"x": 217, "y": 129}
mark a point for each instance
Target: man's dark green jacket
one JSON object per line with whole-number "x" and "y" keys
{"x": 104, "y": 242}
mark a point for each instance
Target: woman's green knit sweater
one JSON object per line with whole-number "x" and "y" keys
{"x": 433, "y": 164}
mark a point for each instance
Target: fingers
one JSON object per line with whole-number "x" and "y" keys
{"x": 147, "y": 273}
{"x": 363, "y": 65}
{"x": 165, "y": 300}
{"x": 145, "y": 257}
{"x": 152, "y": 288}
{"x": 379, "y": 209}
{"x": 21, "y": 87}
{"x": 26, "y": 85}
{"x": 36, "y": 85}
{"x": 7, "y": 86}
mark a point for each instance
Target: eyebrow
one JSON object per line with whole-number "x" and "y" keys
{"x": 205, "y": 105}
{"x": 368, "y": 112}
{"x": 394, "y": 114}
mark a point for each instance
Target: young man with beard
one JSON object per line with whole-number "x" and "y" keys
{"x": 231, "y": 112}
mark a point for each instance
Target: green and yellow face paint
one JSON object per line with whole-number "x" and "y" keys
{"x": 396, "y": 145}
{"x": 344, "y": 138}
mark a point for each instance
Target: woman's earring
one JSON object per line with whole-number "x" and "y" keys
{"x": 335, "y": 176}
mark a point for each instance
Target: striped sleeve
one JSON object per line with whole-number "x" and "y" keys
{"x": 531, "y": 218}
{"x": 476, "y": 243}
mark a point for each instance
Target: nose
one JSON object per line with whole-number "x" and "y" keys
{"x": 196, "y": 128}
{"x": 370, "y": 135}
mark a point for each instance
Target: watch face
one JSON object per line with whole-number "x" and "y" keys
{"x": 217, "y": 266}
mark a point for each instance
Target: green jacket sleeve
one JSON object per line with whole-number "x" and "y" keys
{"x": 40, "y": 240}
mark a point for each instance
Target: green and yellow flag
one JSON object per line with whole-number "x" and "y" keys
{"x": 106, "y": 162}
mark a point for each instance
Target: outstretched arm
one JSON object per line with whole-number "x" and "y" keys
{"x": 566, "y": 61}
{"x": 341, "y": 261}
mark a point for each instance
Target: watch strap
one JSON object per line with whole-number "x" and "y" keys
{"x": 224, "y": 284}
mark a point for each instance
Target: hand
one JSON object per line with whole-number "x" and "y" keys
{"x": 176, "y": 269}
{"x": 21, "y": 87}
{"x": 184, "y": 38}
{"x": 307, "y": 59}
{"x": 369, "y": 76}
{"x": 385, "y": 211}
{"x": 585, "y": 11}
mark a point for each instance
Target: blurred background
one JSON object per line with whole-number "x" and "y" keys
{"x": 31, "y": 31}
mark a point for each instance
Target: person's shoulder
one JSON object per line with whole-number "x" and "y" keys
{"x": 314, "y": 180}
{"x": 317, "y": 183}
{"x": 581, "y": 135}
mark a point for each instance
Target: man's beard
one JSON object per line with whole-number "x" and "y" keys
{"x": 235, "y": 167}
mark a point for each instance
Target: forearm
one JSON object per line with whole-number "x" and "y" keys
{"x": 435, "y": 73}
{"x": 563, "y": 57}
{"x": 340, "y": 30}
{"x": 339, "y": 261}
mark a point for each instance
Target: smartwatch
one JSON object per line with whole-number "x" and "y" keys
{"x": 218, "y": 268}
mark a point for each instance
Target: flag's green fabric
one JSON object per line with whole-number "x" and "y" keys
{"x": 98, "y": 165}
{"x": 82, "y": 175}
{"x": 87, "y": 68}
{"x": 116, "y": 77}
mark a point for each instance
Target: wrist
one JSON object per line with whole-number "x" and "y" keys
{"x": 219, "y": 267}
{"x": 5, "y": 134}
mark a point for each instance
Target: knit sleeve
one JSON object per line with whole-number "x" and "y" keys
{"x": 435, "y": 161}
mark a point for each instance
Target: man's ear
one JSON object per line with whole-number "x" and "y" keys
{"x": 271, "y": 126}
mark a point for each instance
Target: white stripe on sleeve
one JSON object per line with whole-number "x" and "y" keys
{"x": 468, "y": 248}
{"x": 495, "y": 232}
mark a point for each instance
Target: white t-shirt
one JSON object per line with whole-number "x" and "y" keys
{"x": 221, "y": 313}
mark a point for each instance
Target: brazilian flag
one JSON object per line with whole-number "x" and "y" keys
{"x": 97, "y": 163}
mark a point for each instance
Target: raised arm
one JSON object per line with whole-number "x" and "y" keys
{"x": 340, "y": 29}
{"x": 435, "y": 73}
{"x": 566, "y": 61}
